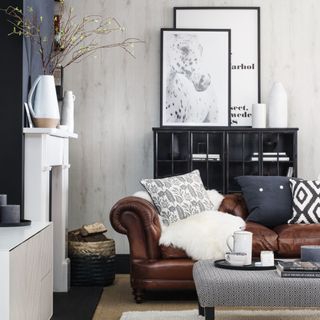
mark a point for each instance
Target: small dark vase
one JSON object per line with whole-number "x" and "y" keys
{"x": 3, "y": 199}
{"x": 175, "y": 155}
{"x": 269, "y": 144}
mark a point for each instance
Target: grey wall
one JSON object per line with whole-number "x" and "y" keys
{"x": 118, "y": 97}
{"x": 32, "y": 66}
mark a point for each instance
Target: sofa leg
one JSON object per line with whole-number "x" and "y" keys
{"x": 138, "y": 295}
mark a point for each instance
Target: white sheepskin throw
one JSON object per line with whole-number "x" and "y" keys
{"x": 204, "y": 235}
{"x": 143, "y": 195}
{"x": 216, "y": 198}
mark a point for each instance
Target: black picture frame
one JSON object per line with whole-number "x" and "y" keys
{"x": 221, "y": 105}
{"x": 224, "y": 17}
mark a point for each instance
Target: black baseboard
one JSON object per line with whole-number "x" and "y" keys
{"x": 122, "y": 263}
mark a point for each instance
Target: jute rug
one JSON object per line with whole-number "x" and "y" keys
{"x": 117, "y": 299}
{"x": 223, "y": 315}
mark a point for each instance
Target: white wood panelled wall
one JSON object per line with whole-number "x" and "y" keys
{"x": 118, "y": 96}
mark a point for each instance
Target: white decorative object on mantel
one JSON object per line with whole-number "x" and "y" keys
{"x": 278, "y": 107}
{"x": 259, "y": 115}
{"x": 48, "y": 150}
{"x": 67, "y": 117}
{"x": 43, "y": 102}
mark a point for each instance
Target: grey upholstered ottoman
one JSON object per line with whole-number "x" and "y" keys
{"x": 222, "y": 287}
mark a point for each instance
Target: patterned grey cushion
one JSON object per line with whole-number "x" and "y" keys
{"x": 306, "y": 201}
{"x": 178, "y": 197}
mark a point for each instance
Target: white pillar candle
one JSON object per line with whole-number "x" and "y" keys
{"x": 267, "y": 258}
{"x": 259, "y": 115}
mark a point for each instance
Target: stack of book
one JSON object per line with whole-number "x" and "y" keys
{"x": 298, "y": 269}
{"x": 270, "y": 156}
{"x": 204, "y": 156}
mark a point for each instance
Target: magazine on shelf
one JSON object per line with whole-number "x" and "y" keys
{"x": 271, "y": 159}
{"x": 290, "y": 172}
{"x": 204, "y": 156}
{"x": 271, "y": 153}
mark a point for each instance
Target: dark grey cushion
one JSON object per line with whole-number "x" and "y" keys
{"x": 269, "y": 199}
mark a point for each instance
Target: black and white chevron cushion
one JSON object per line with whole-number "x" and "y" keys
{"x": 306, "y": 201}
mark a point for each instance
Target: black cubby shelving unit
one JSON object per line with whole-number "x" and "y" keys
{"x": 220, "y": 154}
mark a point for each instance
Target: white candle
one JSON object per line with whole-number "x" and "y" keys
{"x": 267, "y": 258}
{"x": 259, "y": 115}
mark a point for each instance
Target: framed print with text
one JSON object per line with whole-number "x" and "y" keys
{"x": 244, "y": 23}
{"x": 195, "y": 77}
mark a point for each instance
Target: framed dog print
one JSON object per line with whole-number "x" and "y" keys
{"x": 195, "y": 77}
{"x": 244, "y": 23}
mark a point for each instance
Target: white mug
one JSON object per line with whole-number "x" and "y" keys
{"x": 236, "y": 258}
{"x": 242, "y": 242}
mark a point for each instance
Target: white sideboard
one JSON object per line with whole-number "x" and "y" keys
{"x": 26, "y": 273}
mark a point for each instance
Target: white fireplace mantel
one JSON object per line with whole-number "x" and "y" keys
{"x": 48, "y": 150}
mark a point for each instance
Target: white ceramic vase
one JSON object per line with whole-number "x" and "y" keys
{"x": 67, "y": 118}
{"x": 43, "y": 103}
{"x": 278, "y": 107}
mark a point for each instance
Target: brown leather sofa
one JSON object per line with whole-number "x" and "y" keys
{"x": 154, "y": 267}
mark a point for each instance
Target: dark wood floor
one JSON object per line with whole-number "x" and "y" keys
{"x": 78, "y": 304}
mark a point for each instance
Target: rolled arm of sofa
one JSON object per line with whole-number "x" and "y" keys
{"x": 234, "y": 204}
{"x": 138, "y": 219}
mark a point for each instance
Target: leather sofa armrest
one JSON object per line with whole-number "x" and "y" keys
{"x": 139, "y": 220}
{"x": 234, "y": 204}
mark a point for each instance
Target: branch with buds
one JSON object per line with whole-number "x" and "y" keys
{"x": 73, "y": 40}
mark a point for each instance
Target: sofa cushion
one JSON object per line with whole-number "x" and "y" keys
{"x": 292, "y": 236}
{"x": 263, "y": 238}
{"x": 170, "y": 252}
{"x": 306, "y": 201}
{"x": 268, "y": 199}
{"x": 178, "y": 197}
{"x": 214, "y": 196}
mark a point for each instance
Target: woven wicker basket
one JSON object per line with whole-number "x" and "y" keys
{"x": 92, "y": 263}
{"x": 104, "y": 248}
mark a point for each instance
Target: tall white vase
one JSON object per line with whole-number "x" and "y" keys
{"x": 278, "y": 107}
{"x": 67, "y": 118}
{"x": 43, "y": 102}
